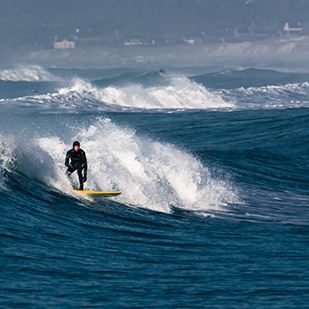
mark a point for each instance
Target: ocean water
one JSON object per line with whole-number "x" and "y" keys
{"x": 213, "y": 168}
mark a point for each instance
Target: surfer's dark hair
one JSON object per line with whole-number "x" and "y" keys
{"x": 76, "y": 143}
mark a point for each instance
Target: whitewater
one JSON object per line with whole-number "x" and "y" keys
{"x": 213, "y": 170}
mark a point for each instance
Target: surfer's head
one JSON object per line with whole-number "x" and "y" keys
{"x": 76, "y": 145}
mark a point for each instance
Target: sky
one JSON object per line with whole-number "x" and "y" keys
{"x": 27, "y": 24}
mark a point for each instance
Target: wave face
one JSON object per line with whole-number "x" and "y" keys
{"x": 213, "y": 171}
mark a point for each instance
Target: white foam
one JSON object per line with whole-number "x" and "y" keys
{"x": 7, "y": 158}
{"x": 50, "y": 164}
{"x": 180, "y": 94}
{"x": 31, "y": 73}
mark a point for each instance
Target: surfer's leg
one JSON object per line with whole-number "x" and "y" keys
{"x": 70, "y": 171}
{"x": 80, "y": 177}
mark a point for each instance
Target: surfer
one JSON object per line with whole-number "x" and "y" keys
{"x": 78, "y": 162}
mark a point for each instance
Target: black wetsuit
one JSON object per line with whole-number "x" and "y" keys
{"x": 79, "y": 163}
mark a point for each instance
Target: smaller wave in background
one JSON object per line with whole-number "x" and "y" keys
{"x": 179, "y": 94}
{"x": 246, "y": 78}
{"x": 157, "y": 91}
{"x": 258, "y": 88}
{"x": 175, "y": 93}
{"x": 24, "y": 81}
{"x": 269, "y": 97}
{"x": 31, "y": 73}
{"x": 227, "y": 90}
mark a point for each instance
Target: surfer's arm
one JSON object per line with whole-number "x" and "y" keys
{"x": 85, "y": 163}
{"x": 67, "y": 159}
{"x": 84, "y": 166}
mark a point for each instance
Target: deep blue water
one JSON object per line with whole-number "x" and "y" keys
{"x": 213, "y": 170}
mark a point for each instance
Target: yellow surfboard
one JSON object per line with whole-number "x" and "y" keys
{"x": 101, "y": 193}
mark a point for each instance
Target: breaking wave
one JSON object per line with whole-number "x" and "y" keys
{"x": 150, "y": 174}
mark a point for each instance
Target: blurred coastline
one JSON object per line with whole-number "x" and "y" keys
{"x": 290, "y": 52}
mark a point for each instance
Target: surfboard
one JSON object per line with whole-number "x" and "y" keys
{"x": 98, "y": 193}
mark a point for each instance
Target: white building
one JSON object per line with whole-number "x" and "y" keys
{"x": 65, "y": 44}
{"x": 288, "y": 29}
{"x": 133, "y": 42}
{"x": 192, "y": 41}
